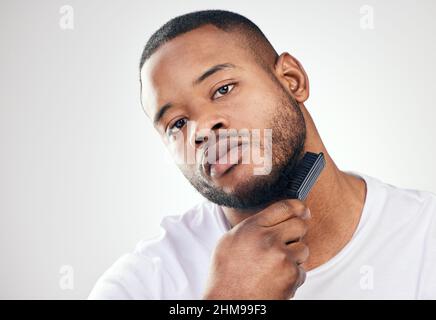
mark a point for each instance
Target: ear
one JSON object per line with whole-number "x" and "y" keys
{"x": 292, "y": 75}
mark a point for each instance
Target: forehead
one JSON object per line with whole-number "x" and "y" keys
{"x": 177, "y": 63}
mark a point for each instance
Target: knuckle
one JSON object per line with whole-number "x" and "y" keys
{"x": 284, "y": 205}
{"x": 301, "y": 276}
{"x": 294, "y": 206}
{"x": 282, "y": 209}
{"x": 298, "y": 252}
{"x": 303, "y": 228}
{"x": 305, "y": 252}
{"x": 298, "y": 206}
{"x": 293, "y": 273}
{"x": 300, "y": 227}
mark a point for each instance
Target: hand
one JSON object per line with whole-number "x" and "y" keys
{"x": 261, "y": 257}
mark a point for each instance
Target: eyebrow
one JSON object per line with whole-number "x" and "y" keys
{"x": 205, "y": 74}
{"x": 212, "y": 70}
{"x": 161, "y": 112}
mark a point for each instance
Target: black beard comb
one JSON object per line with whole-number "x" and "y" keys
{"x": 305, "y": 174}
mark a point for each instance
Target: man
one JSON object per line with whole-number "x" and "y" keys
{"x": 206, "y": 75}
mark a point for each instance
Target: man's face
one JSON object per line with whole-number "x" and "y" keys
{"x": 208, "y": 81}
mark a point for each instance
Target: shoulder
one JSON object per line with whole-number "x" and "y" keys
{"x": 146, "y": 272}
{"x": 400, "y": 205}
{"x": 404, "y": 221}
{"x": 404, "y": 214}
{"x": 416, "y": 211}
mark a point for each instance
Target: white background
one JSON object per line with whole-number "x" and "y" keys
{"x": 83, "y": 176}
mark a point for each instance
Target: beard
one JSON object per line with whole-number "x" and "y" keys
{"x": 259, "y": 191}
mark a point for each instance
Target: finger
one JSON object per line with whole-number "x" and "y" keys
{"x": 298, "y": 252}
{"x": 281, "y": 211}
{"x": 301, "y": 276}
{"x": 291, "y": 230}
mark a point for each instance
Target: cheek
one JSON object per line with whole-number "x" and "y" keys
{"x": 189, "y": 171}
{"x": 177, "y": 150}
{"x": 260, "y": 100}
{"x": 257, "y": 110}
{"x": 183, "y": 153}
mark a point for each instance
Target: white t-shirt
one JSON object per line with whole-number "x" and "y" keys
{"x": 392, "y": 254}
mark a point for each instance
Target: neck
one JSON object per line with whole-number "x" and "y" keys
{"x": 335, "y": 202}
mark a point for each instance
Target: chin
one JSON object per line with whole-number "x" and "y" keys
{"x": 236, "y": 178}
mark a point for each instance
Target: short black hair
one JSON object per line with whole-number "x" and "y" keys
{"x": 224, "y": 20}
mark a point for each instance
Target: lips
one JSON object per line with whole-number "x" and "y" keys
{"x": 221, "y": 165}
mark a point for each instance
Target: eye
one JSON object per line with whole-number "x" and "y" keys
{"x": 176, "y": 126}
{"x": 221, "y": 91}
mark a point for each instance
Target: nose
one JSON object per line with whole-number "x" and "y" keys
{"x": 205, "y": 127}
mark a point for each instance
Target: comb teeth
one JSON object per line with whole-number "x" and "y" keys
{"x": 305, "y": 174}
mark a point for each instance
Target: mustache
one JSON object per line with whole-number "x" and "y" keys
{"x": 219, "y": 146}
{"x": 231, "y": 147}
